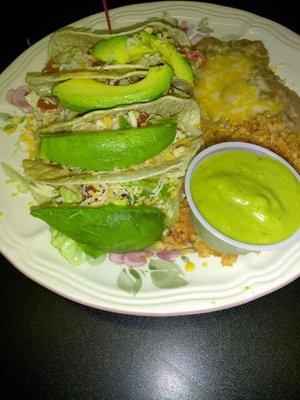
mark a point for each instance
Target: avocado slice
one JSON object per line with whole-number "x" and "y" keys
{"x": 170, "y": 55}
{"x": 120, "y": 49}
{"x": 106, "y": 150}
{"x": 109, "y": 228}
{"x": 83, "y": 95}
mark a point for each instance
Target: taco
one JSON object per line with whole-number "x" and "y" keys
{"x": 155, "y": 137}
{"x": 72, "y": 48}
{"x": 83, "y": 91}
{"x": 139, "y": 200}
{"x": 104, "y": 218}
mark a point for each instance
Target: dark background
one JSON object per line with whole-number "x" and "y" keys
{"x": 33, "y": 20}
{"x": 52, "y": 348}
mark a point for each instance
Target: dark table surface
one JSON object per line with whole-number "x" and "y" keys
{"x": 52, "y": 348}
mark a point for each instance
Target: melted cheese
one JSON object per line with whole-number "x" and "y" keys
{"x": 227, "y": 88}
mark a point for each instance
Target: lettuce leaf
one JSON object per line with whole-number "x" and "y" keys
{"x": 68, "y": 248}
{"x": 91, "y": 251}
{"x": 75, "y": 253}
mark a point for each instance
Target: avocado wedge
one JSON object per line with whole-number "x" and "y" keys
{"x": 83, "y": 95}
{"x": 108, "y": 149}
{"x": 170, "y": 55}
{"x": 109, "y": 228}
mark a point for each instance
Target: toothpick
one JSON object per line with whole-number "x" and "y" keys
{"x": 104, "y": 3}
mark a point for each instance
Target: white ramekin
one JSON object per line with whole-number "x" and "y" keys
{"x": 211, "y": 236}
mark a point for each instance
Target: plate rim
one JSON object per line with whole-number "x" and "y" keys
{"x": 149, "y": 313}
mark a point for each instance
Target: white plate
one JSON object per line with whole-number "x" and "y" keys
{"x": 25, "y": 241}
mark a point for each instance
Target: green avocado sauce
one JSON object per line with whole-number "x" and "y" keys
{"x": 248, "y": 197}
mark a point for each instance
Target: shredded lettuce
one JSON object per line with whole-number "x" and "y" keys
{"x": 172, "y": 211}
{"x": 123, "y": 123}
{"x": 42, "y": 192}
{"x": 155, "y": 119}
{"x": 20, "y": 182}
{"x": 70, "y": 195}
{"x": 149, "y": 60}
{"x": 6, "y": 117}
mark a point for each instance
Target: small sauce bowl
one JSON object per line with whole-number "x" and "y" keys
{"x": 213, "y": 237}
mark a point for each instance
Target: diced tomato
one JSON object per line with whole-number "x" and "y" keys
{"x": 88, "y": 188}
{"x": 50, "y": 68}
{"x": 46, "y": 104}
{"x": 195, "y": 56}
{"x": 142, "y": 118}
{"x": 97, "y": 63}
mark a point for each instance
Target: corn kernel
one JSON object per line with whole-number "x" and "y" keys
{"x": 189, "y": 266}
{"x": 107, "y": 121}
{"x": 168, "y": 156}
